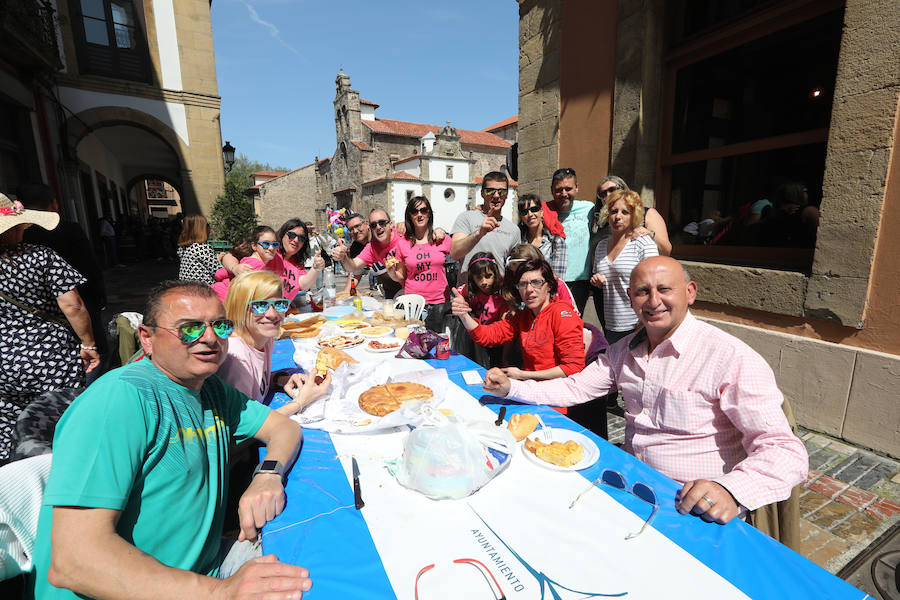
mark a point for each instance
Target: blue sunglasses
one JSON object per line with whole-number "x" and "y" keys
{"x": 259, "y": 307}
{"x": 265, "y": 245}
{"x": 639, "y": 490}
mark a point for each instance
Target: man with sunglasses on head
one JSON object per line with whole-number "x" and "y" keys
{"x": 575, "y": 217}
{"x": 701, "y": 406}
{"x": 484, "y": 229}
{"x": 136, "y": 497}
{"x": 376, "y": 254}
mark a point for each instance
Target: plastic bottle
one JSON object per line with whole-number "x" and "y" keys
{"x": 330, "y": 291}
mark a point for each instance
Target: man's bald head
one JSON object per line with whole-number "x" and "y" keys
{"x": 661, "y": 290}
{"x": 666, "y": 261}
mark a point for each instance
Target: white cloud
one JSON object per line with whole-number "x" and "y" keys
{"x": 273, "y": 30}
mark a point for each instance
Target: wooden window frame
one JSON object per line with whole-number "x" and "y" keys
{"x": 705, "y": 44}
{"x": 140, "y": 53}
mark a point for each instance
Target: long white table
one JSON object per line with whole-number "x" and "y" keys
{"x": 518, "y": 526}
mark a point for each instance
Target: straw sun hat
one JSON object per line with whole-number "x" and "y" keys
{"x": 12, "y": 213}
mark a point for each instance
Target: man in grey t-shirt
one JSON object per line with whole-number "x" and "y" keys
{"x": 484, "y": 229}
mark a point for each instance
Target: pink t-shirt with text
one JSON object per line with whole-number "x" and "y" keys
{"x": 425, "y": 273}
{"x": 486, "y": 309}
{"x": 290, "y": 275}
{"x": 374, "y": 253}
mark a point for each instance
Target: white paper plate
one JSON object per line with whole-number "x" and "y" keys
{"x": 394, "y": 349}
{"x": 591, "y": 452}
{"x": 355, "y": 340}
{"x": 366, "y": 333}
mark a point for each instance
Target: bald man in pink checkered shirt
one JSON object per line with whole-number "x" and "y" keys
{"x": 700, "y": 405}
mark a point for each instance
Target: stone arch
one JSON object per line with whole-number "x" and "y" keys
{"x": 89, "y": 121}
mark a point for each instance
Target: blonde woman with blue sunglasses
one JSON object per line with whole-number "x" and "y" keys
{"x": 256, "y": 305}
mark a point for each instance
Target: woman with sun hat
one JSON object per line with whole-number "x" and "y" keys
{"x": 46, "y": 341}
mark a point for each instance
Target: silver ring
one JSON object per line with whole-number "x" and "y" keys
{"x": 710, "y": 502}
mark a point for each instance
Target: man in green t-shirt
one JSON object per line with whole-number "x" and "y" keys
{"x": 135, "y": 502}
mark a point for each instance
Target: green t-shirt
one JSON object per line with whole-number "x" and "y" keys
{"x": 577, "y": 224}
{"x": 139, "y": 443}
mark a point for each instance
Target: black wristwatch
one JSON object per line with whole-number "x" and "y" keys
{"x": 273, "y": 467}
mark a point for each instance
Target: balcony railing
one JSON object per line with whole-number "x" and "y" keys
{"x": 28, "y": 28}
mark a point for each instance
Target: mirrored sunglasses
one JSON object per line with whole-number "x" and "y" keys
{"x": 265, "y": 245}
{"x": 502, "y": 192}
{"x": 639, "y": 490}
{"x": 191, "y": 331}
{"x": 259, "y": 307}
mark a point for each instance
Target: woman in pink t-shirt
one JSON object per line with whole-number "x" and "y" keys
{"x": 421, "y": 266}
{"x": 294, "y": 252}
{"x": 256, "y": 305}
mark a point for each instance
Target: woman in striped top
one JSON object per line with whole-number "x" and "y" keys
{"x": 616, "y": 256}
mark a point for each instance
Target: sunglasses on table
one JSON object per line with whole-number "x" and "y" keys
{"x": 293, "y": 236}
{"x": 639, "y": 490}
{"x": 265, "y": 245}
{"x": 259, "y": 307}
{"x": 480, "y": 566}
{"x": 601, "y": 194}
{"x": 535, "y": 284}
{"x": 531, "y": 209}
{"x": 379, "y": 223}
{"x": 191, "y": 331}
{"x": 502, "y": 192}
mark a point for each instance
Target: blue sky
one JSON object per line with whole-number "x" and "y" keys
{"x": 422, "y": 61}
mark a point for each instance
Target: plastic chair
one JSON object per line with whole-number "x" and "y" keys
{"x": 411, "y": 304}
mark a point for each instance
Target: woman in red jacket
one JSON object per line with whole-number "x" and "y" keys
{"x": 549, "y": 330}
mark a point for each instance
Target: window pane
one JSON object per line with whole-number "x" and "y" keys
{"x": 95, "y": 31}
{"x": 122, "y": 13}
{"x": 760, "y": 199}
{"x": 124, "y": 36}
{"x": 93, "y": 8}
{"x": 779, "y": 84}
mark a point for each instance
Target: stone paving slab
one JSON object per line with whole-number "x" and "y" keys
{"x": 863, "y": 470}
{"x": 819, "y": 545}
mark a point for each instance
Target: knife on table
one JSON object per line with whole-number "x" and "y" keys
{"x": 357, "y": 495}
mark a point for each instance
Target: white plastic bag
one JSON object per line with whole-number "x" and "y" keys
{"x": 452, "y": 459}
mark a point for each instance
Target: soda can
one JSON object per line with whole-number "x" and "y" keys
{"x": 442, "y": 350}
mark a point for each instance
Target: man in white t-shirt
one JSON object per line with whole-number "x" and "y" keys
{"x": 484, "y": 229}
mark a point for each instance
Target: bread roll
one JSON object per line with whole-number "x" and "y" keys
{"x": 523, "y": 425}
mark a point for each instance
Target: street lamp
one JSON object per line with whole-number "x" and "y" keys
{"x": 228, "y": 155}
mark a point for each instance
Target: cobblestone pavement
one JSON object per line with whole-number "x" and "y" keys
{"x": 850, "y": 497}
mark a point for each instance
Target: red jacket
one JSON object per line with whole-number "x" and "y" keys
{"x": 551, "y": 339}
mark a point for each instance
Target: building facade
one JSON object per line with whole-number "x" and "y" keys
{"x": 110, "y": 94}
{"x": 769, "y": 125}
{"x": 384, "y": 162}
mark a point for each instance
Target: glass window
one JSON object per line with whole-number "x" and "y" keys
{"x": 123, "y": 24}
{"x": 744, "y": 165}
{"x": 775, "y": 85}
{"x": 758, "y": 199}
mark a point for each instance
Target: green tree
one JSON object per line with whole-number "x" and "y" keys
{"x": 233, "y": 217}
